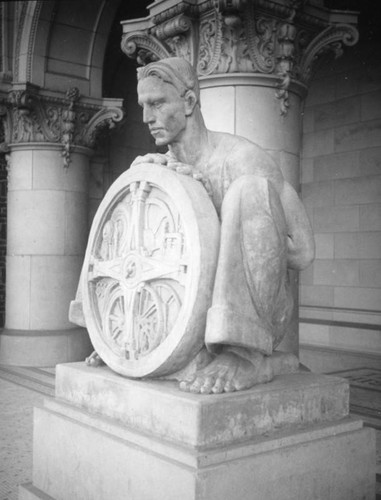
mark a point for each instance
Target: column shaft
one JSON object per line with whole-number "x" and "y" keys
{"x": 46, "y": 241}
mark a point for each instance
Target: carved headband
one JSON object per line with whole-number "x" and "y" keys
{"x": 175, "y": 71}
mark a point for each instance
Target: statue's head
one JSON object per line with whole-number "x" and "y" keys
{"x": 168, "y": 92}
{"x": 176, "y": 71}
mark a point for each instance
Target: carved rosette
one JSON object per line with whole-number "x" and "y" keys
{"x": 31, "y": 117}
{"x": 282, "y": 38}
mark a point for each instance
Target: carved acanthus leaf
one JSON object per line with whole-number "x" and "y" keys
{"x": 6, "y": 119}
{"x": 260, "y": 41}
{"x": 68, "y": 124}
{"x": 332, "y": 38}
{"x": 144, "y": 47}
{"x": 29, "y": 116}
{"x": 210, "y": 43}
{"x": 177, "y": 34}
{"x": 104, "y": 118}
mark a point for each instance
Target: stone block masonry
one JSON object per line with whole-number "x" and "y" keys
{"x": 341, "y": 186}
{"x": 3, "y": 234}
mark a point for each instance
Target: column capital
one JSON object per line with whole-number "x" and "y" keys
{"x": 34, "y": 115}
{"x": 283, "y": 38}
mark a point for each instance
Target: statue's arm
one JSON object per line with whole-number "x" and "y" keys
{"x": 301, "y": 243}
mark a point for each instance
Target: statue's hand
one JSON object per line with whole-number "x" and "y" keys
{"x": 158, "y": 158}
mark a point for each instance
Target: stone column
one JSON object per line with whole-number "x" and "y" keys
{"x": 50, "y": 144}
{"x": 254, "y": 60}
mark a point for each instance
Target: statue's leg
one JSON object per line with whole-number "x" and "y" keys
{"x": 251, "y": 300}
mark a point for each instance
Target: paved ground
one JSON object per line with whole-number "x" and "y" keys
{"x": 16, "y": 417}
{"x": 21, "y": 390}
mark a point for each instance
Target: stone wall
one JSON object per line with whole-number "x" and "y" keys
{"x": 340, "y": 294}
{"x": 3, "y": 234}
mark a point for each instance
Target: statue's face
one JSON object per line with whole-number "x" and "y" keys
{"x": 163, "y": 110}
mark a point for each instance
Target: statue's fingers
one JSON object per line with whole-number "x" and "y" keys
{"x": 184, "y": 170}
{"x": 157, "y": 158}
{"x": 198, "y": 176}
{"x": 137, "y": 161}
{"x": 160, "y": 158}
{"x": 173, "y": 165}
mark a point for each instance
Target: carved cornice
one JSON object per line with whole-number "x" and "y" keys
{"x": 279, "y": 37}
{"x": 30, "y": 116}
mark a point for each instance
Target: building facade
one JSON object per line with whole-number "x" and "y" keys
{"x": 71, "y": 125}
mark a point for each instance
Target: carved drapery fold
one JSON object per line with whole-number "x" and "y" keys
{"x": 283, "y": 38}
{"x": 30, "y": 116}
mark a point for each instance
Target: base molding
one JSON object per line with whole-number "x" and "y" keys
{"x": 324, "y": 359}
{"x": 43, "y": 348}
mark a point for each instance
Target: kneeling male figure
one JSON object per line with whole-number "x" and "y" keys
{"x": 264, "y": 229}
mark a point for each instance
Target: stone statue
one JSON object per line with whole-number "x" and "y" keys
{"x": 137, "y": 262}
{"x": 264, "y": 229}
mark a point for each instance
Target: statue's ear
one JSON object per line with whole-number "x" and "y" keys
{"x": 190, "y": 100}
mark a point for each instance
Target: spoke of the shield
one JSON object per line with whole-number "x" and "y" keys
{"x": 159, "y": 219}
{"x": 149, "y": 319}
{"x": 171, "y": 302}
{"x": 105, "y": 269}
{"x": 139, "y": 194}
{"x": 116, "y": 318}
{"x": 120, "y": 220}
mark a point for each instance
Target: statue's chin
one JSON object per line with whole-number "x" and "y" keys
{"x": 161, "y": 142}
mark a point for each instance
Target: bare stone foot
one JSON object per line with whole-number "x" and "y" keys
{"x": 94, "y": 360}
{"x": 229, "y": 372}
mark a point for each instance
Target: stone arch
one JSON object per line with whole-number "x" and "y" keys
{"x": 62, "y": 44}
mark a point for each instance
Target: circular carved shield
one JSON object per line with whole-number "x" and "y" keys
{"x": 149, "y": 271}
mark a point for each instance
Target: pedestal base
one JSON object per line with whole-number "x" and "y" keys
{"x": 212, "y": 449}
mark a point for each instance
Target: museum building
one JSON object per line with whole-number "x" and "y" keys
{"x": 301, "y": 78}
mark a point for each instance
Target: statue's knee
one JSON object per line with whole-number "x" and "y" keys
{"x": 249, "y": 183}
{"x": 251, "y": 189}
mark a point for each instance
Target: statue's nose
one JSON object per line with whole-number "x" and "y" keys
{"x": 148, "y": 116}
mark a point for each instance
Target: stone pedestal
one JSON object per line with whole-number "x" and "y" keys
{"x": 107, "y": 437}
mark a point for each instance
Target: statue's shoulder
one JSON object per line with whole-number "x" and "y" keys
{"x": 237, "y": 146}
{"x": 241, "y": 157}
